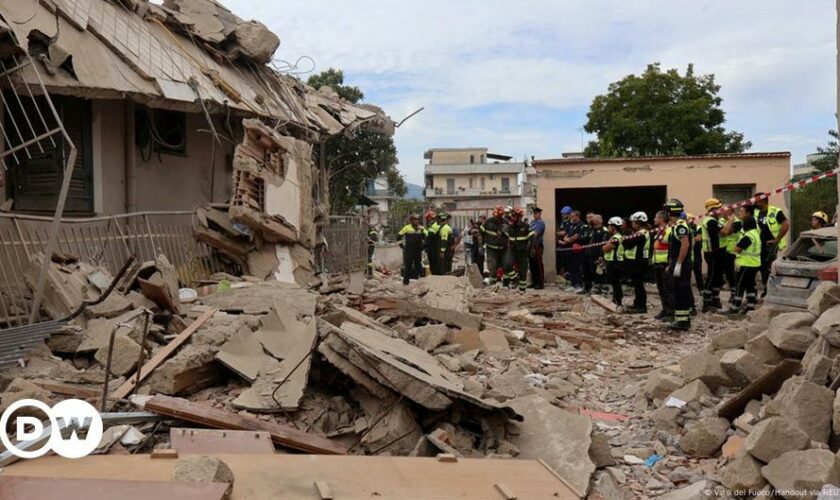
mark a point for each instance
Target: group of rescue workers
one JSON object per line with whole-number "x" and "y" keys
{"x": 737, "y": 244}
{"x": 509, "y": 243}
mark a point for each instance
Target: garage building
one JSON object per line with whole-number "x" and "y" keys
{"x": 621, "y": 186}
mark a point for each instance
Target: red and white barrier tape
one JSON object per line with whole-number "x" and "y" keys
{"x": 793, "y": 186}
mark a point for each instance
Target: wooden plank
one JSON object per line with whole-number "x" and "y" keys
{"x": 324, "y": 491}
{"x": 768, "y": 383}
{"x": 159, "y": 357}
{"x": 291, "y": 476}
{"x": 604, "y": 303}
{"x": 282, "y": 434}
{"x": 212, "y": 441}
{"x": 68, "y": 389}
{"x": 505, "y": 491}
{"x": 45, "y": 488}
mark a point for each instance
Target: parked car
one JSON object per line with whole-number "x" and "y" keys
{"x": 810, "y": 259}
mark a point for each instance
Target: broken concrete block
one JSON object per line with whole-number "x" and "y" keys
{"x": 731, "y": 339}
{"x": 743, "y": 473}
{"x": 23, "y": 389}
{"x": 802, "y": 473}
{"x": 560, "y": 388}
{"x": 691, "y": 392}
{"x": 824, "y": 297}
{"x": 791, "y": 332}
{"x": 742, "y": 366}
{"x": 835, "y": 419}
{"x": 255, "y": 41}
{"x": 828, "y": 326}
{"x": 429, "y": 337}
{"x": 475, "y": 277}
{"x": 203, "y": 469}
{"x": 600, "y": 451}
{"x": 660, "y": 384}
{"x": 761, "y": 347}
{"x": 665, "y": 419}
{"x": 764, "y": 315}
{"x": 773, "y": 437}
{"x": 604, "y": 487}
{"x": 396, "y": 423}
{"x": 468, "y": 338}
{"x": 193, "y": 368}
{"x": 704, "y": 366}
{"x": 817, "y": 362}
{"x": 509, "y": 385}
{"x": 806, "y": 404}
{"x": 704, "y": 437}
{"x": 700, "y": 490}
{"x": 124, "y": 358}
{"x": 567, "y": 452}
{"x": 494, "y": 343}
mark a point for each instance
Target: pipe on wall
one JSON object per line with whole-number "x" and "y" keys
{"x": 130, "y": 159}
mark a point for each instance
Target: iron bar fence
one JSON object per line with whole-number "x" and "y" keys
{"x": 346, "y": 248}
{"x": 101, "y": 241}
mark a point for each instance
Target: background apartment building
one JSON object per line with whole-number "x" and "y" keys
{"x": 471, "y": 181}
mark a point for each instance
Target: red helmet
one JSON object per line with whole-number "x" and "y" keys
{"x": 430, "y": 215}
{"x": 518, "y": 212}
{"x": 499, "y": 211}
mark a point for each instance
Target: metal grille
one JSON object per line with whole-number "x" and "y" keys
{"x": 346, "y": 249}
{"x": 104, "y": 241}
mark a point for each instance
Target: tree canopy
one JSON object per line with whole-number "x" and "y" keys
{"x": 661, "y": 113}
{"x": 353, "y": 161}
{"x": 820, "y": 195}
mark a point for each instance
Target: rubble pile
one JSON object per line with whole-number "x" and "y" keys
{"x": 756, "y": 407}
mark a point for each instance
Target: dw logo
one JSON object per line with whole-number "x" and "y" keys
{"x": 69, "y": 416}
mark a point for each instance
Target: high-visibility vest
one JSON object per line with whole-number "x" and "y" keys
{"x": 750, "y": 256}
{"x": 772, "y": 223}
{"x": 705, "y": 237}
{"x": 660, "y": 246}
{"x": 630, "y": 253}
{"x": 617, "y": 253}
{"x": 730, "y": 241}
{"x": 445, "y": 235}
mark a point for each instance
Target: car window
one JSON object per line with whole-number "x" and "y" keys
{"x": 813, "y": 249}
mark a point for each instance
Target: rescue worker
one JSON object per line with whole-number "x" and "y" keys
{"x": 593, "y": 272}
{"x": 697, "y": 254}
{"x": 818, "y": 220}
{"x": 748, "y": 260}
{"x": 636, "y": 250}
{"x": 372, "y": 240}
{"x": 433, "y": 242}
{"x": 519, "y": 236}
{"x": 614, "y": 257}
{"x": 447, "y": 243}
{"x": 477, "y": 250}
{"x": 712, "y": 254}
{"x": 728, "y": 240}
{"x": 562, "y": 256}
{"x": 773, "y": 226}
{"x": 535, "y": 263}
{"x": 575, "y": 227}
{"x": 495, "y": 242}
{"x": 411, "y": 242}
{"x": 679, "y": 264}
{"x": 659, "y": 256}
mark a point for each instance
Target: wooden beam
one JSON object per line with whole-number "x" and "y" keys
{"x": 159, "y": 357}
{"x": 768, "y": 383}
{"x": 282, "y": 434}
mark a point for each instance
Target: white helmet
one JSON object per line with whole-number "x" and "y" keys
{"x": 639, "y": 217}
{"x": 615, "y": 221}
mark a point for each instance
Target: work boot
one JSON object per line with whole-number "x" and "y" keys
{"x": 680, "y": 326}
{"x": 716, "y": 303}
{"x": 708, "y": 308}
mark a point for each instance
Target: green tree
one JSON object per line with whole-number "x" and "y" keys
{"x": 820, "y": 195}
{"x": 661, "y": 113}
{"x": 354, "y": 160}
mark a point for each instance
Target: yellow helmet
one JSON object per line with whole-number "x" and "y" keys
{"x": 712, "y": 203}
{"x": 821, "y": 216}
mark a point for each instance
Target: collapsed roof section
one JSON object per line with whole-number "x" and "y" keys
{"x": 191, "y": 55}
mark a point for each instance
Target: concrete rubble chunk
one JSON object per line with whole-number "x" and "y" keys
{"x": 817, "y": 362}
{"x": 805, "y": 403}
{"x": 660, "y": 384}
{"x": 791, "y": 332}
{"x": 704, "y": 366}
{"x": 600, "y": 451}
{"x": 256, "y": 41}
{"x": 567, "y": 452}
{"x": 429, "y": 337}
{"x": 696, "y": 491}
{"x": 23, "y": 389}
{"x": 798, "y": 472}
{"x": 828, "y": 326}
{"x": 761, "y": 347}
{"x": 730, "y": 339}
{"x": 743, "y": 473}
{"x": 774, "y": 436}
{"x": 704, "y": 437}
{"x": 691, "y": 392}
{"x": 203, "y": 469}
{"x": 742, "y": 366}
{"x": 604, "y": 488}
{"x": 835, "y": 419}
{"x": 494, "y": 343}
{"x": 124, "y": 357}
{"x": 824, "y": 297}
{"x": 191, "y": 369}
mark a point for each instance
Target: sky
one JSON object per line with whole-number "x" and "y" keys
{"x": 518, "y": 76}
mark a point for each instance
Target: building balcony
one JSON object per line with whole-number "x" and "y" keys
{"x": 469, "y": 192}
